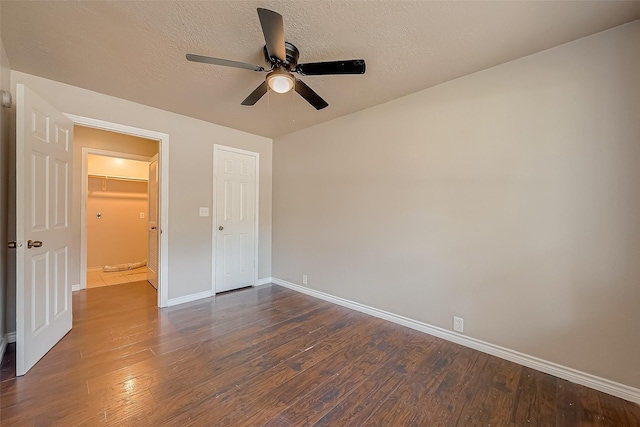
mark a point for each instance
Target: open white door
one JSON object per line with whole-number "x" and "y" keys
{"x": 152, "y": 255}
{"x": 43, "y": 205}
{"x": 236, "y": 233}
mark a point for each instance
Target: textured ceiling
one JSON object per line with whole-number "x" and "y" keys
{"x": 136, "y": 50}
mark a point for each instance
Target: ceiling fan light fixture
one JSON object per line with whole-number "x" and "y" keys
{"x": 280, "y": 81}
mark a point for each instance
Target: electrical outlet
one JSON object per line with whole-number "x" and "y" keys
{"x": 304, "y": 279}
{"x": 458, "y": 324}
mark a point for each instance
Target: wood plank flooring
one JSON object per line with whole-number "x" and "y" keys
{"x": 269, "y": 356}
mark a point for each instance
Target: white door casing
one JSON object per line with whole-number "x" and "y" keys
{"x": 44, "y": 154}
{"x": 163, "y": 196}
{"x": 235, "y": 232}
{"x": 152, "y": 226}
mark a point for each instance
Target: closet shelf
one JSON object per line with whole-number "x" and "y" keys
{"x": 118, "y": 178}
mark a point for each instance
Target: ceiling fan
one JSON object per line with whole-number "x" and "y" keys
{"x": 282, "y": 57}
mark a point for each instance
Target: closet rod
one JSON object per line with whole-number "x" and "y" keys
{"x": 119, "y": 178}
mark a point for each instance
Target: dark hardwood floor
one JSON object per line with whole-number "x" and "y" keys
{"x": 270, "y": 356}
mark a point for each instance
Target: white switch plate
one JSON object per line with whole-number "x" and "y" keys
{"x": 304, "y": 279}
{"x": 204, "y": 211}
{"x": 141, "y": 215}
{"x": 458, "y": 324}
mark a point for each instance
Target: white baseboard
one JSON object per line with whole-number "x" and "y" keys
{"x": 189, "y": 298}
{"x": 262, "y": 282}
{"x": 3, "y": 346}
{"x": 207, "y": 294}
{"x": 9, "y": 338}
{"x": 613, "y": 388}
{"x": 75, "y": 287}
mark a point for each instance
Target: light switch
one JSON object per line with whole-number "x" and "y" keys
{"x": 141, "y": 215}
{"x": 204, "y": 211}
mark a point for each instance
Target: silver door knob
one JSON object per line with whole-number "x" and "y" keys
{"x": 221, "y": 228}
{"x": 34, "y": 244}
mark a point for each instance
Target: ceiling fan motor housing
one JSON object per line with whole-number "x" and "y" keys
{"x": 291, "y": 60}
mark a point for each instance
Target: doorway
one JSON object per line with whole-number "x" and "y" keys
{"x": 161, "y": 147}
{"x": 47, "y": 228}
{"x": 119, "y": 215}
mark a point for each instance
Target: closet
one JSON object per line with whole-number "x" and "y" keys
{"x": 117, "y": 234}
{"x": 117, "y": 220}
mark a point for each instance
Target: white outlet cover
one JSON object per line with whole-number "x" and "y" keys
{"x": 458, "y": 324}
{"x": 304, "y": 279}
{"x": 204, "y": 211}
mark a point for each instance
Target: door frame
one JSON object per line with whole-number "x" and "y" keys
{"x": 217, "y": 148}
{"x": 163, "y": 194}
{"x": 84, "y": 193}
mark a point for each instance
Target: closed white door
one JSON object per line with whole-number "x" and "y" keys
{"x": 44, "y": 154}
{"x": 152, "y": 255}
{"x": 235, "y": 233}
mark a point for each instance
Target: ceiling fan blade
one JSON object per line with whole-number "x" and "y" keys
{"x": 256, "y": 94}
{"x": 223, "y": 62}
{"x": 310, "y": 96}
{"x": 352, "y": 66}
{"x": 273, "y": 29}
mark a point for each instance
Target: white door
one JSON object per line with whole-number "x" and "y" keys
{"x": 235, "y": 233}
{"x": 43, "y": 206}
{"x": 152, "y": 255}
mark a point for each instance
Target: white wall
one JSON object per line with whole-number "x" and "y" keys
{"x": 509, "y": 197}
{"x": 4, "y": 185}
{"x": 190, "y": 176}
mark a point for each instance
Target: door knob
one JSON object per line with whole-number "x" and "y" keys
{"x": 221, "y": 228}
{"x": 12, "y": 245}
{"x": 34, "y": 244}
{"x": 153, "y": 228}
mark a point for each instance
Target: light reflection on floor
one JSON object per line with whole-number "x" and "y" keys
{"x": 97, "y": 278}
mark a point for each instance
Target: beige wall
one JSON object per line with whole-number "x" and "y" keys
{"x": 5, "y": 152}
{"x": 119, "y": 236}
{"x": 109, "y": 141}
{"x": 190, "y": 176}
{"x": 509, "y": 197}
